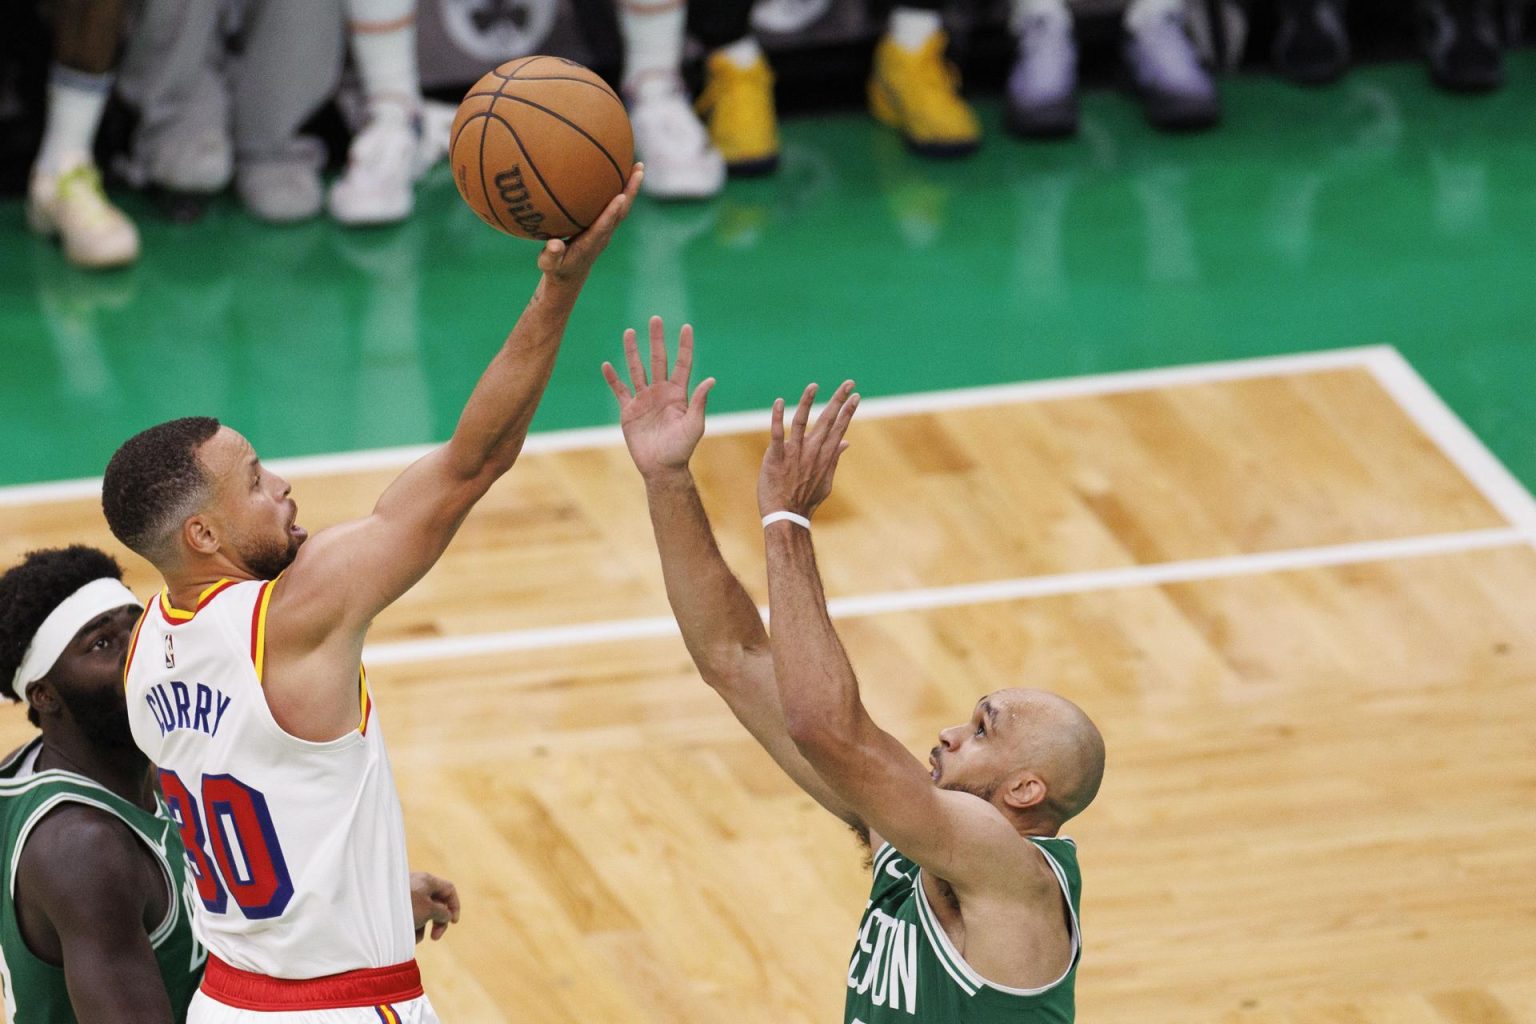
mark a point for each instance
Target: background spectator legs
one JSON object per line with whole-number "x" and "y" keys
{"x": 289, "y": 65}
{"x": 65, "y": 197}
{"x": 680, "y": 161}
{"x": 737, "y": 100}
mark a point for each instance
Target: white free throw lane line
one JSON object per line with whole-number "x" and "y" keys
{"x": 751, "y": 422}
{"x": 1454, "y": 438}
{"x": 966, "y": 594}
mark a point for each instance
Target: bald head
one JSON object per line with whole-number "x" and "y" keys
{"x": 1055, "y": 739}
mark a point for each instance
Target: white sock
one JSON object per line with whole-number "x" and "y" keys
{"x": 383, "y": 39}
{"x": 76, "y": 100}
{"x": 1023, "y": 10}
{"x": 1140, "y": 12}
{"x": 911, "y": 27}
{"x": 653, "y": 45}
{"x": 744, "y": 52}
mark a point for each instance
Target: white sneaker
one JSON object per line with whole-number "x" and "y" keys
{"x": 70, "y": 203}
{"x": 383, "y": 164}
{"x": 436, "y": 127}
{"x": 680, "y": 162}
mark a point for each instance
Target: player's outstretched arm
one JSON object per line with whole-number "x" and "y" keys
{"x": 957, "y": 836}
{"x": 662, "y": 423}
{"x": 84, "y": 877}
{"x": 346, "y": 575}
{"x": 417, "y": 515}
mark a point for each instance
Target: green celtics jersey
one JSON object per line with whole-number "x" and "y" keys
{"x": 904, "y": 967}
{"x": 31, "y": 990}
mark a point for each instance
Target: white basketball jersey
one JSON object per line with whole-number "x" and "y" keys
{"x": 297, "y": 848}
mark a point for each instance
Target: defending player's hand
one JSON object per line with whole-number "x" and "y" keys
{"x": 662, "y": 422}
{"x": 570, "y": 260}
{"x": 435, "y": 902}
{"x": 798, "y": 467}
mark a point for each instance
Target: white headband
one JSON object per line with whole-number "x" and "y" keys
{"x": 61, "y": 625}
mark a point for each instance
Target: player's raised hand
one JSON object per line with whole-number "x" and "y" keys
{"x": 569, "y": 260}
{"x": 435, "y": 902}
{"x": 798, "y": 467}
{"x": 661, "y": 420}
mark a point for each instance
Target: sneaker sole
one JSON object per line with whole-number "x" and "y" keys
{"x": 1053, "y": 121}
{"x": 1180, "y": 117}
{"x": 942, "y": 150}
{"x": 753, "y": 168}
{"x": 1468, "y": 84}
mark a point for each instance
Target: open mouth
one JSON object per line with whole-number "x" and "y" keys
{"x": 933, "y": 768}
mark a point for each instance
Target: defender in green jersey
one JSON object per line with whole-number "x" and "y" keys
{"x": 973, "y": 910}
{"x": 95, "y": 918}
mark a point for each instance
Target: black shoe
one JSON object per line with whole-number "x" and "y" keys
{"x": 1311, "y": 43}
{"x": 1462, "y": 44}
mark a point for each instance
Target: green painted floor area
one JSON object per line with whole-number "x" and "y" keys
{"x": 1376, "y": 211}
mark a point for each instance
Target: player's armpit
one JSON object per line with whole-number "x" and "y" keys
{"x": 87, "y": 883}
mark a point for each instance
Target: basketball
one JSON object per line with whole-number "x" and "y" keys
{"x": 539, "y": 146}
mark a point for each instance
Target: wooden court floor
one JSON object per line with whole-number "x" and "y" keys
{"x": 1301, "y": 617}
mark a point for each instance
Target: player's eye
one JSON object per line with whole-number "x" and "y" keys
{"x": 101, "y": 643}
{"x": 981, "y": 728}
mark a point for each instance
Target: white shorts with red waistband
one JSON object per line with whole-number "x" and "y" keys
{"x": 383, "y": 995}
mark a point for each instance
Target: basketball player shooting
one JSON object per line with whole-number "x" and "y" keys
{"x": 95, "y": 894}
{"x": 973, "y": 908}
{"x": 244, "y": 682}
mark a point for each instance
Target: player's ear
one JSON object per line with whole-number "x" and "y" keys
{"x": 1024, "y": 790}
{"x": 200, "y": 535}
{"x": 43, "y": 698}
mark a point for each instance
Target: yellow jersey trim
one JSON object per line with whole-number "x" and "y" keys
{"x": 259, "y": 633}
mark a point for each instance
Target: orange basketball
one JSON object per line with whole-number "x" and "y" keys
{"x": 539, "y": 147}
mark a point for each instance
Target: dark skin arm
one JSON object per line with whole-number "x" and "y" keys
{"x": 88, "y": 893}
{"x": 86, "y": 34}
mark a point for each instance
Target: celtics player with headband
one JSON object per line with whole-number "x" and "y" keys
{"x": 93, "y": 924}
{"x": 95, "y": 897}
{"x": 973, "y": 909}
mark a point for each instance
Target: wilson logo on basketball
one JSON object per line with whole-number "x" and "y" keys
{"x": 514, "y": 194}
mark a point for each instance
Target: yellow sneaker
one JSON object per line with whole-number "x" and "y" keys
{"x": 737, "y": 106}
{"x": 917, "y": 92}
{"x": 72, "y": 205}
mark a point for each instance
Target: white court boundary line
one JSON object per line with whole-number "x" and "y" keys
{"x": 750, "y": 422}
{"x": 967, "y": 594}
{"x": 1453, "y": 437}
{"x": 1393, "y": 372}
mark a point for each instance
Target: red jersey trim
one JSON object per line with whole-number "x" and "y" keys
{"x": 175, "y": 616}
{"x": 133, "y": 645}
{"x": 370, "y": 987}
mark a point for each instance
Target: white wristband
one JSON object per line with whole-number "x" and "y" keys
{"x": 785, "y": 517}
